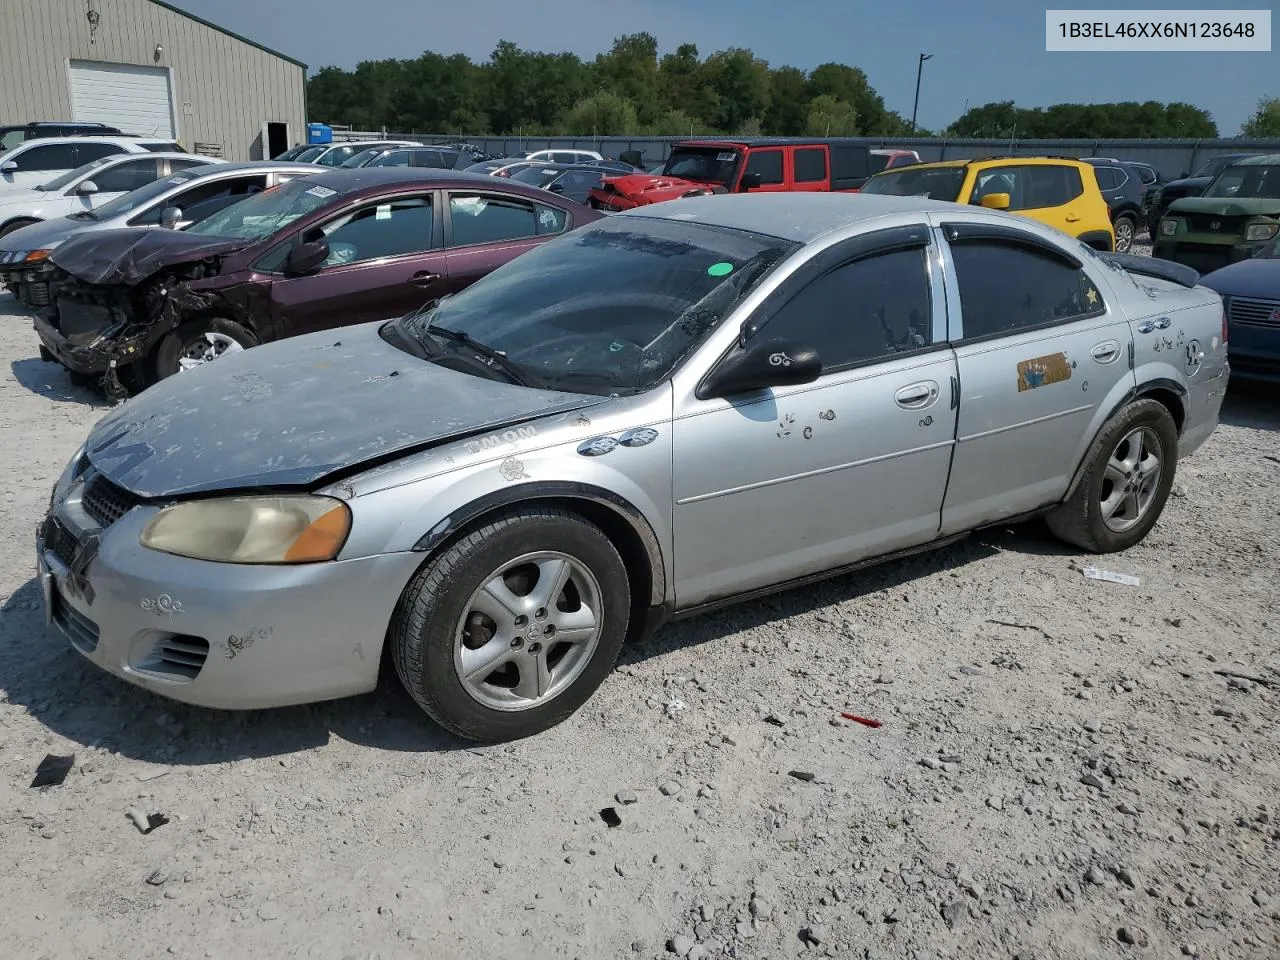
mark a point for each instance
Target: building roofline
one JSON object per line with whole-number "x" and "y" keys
{"x": 230, "y": 33}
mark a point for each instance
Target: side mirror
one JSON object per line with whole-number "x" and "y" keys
{"x": 772, "y": 363}
{"x": 306, "y": 257}
{"x": 170, "y": 217}
{"x": 751, "y": 181}
{"x": 9, "y": 166}
{"x": 556, "y": 188}
{"x": 995, "y": 201}
{"x": 87, "y": 188}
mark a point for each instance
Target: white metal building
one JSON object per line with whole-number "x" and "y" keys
{"x": 151, "y": 70}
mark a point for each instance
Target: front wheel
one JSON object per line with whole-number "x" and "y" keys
{"x": 1129, "y": 474}
{"x": 512, "y": 628}
{"x": 198, "y": 342}
{"x": 1126, "y": 229}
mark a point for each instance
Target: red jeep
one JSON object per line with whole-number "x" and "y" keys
{"x": 770, "y": 165}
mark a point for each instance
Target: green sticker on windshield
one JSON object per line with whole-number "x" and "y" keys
{"x": 720, "y": 269}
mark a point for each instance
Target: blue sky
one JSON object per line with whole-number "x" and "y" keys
{"x": 992, "y": 50}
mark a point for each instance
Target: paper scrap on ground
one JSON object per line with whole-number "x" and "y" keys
{"x": 1093, "y": 573}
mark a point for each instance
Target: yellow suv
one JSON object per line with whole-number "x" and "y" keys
{"x": 1058, "y": 191}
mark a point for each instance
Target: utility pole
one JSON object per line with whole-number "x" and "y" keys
{"x": 919, "y": 71}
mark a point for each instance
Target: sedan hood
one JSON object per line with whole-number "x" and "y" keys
{"x": 291, "y": 413}
{"x": 43, "y": 235}
{"x": 644, "y": 188}
{"x": 1258, "y": 278}
{"x": 1227, "y": 206}
{"x": 127, "y": 255}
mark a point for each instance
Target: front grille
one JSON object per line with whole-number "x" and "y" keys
{"x": 1254, "y": 313}
{"x": 80, "y": 630}
{"x": 1204, "y": 223}
{"x": 36, "y": 293}
{"x": 179, "y": 657}
{"x": 60, "y": 542}
{"x": 106, "y": 502}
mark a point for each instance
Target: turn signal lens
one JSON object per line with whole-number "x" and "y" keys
{"x": 35, "y": 256}
{"x": 255, "y": 530}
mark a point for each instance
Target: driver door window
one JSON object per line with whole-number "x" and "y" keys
{"x": 390, "y": 228}
{"x": 53, "y": 156}
{"x": 127, "y": 176}
{"x": 199, "y": 202}
{"x": 834, "y": 471}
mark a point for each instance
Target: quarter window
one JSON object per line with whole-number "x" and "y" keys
{"x": 767, "y": 163}
{"x": 1005, "y": 288}
{"x": 391, "y": 228}
{"x": 867, "y": 309}
{"x": 811, "y": 165}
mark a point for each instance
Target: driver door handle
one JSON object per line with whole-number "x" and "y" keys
{"x": 917, "y": 395}
{"x": 424, "y": 278}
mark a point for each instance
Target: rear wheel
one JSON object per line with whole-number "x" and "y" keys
{"x": 1126, "y": 483}
{"x": 198, "y": 342}
{"x": 1126, "y": 230}
{"x": 512, "y": 628}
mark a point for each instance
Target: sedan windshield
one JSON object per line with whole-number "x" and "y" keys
{"x": 938, "y": 183}
{"x": 136, "y": 198}
{"x": 705, "y": 164}
{"x": 264, "y": 213}
{"x": 57, "y": 183}
{"x": 537, "y": 176}
{"x": 610, "y": 308}
{"x": 309, "y": 155}
{"x": 1246, "y": 181}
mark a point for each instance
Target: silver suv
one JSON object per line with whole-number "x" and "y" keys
{"x": 654, "y": 415}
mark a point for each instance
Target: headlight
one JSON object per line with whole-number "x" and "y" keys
{"x": 286, "y": 529}
{"x": 1260, "y": 231}
{"x": 75, "y": 466}
{"x": 1168, "y": 227}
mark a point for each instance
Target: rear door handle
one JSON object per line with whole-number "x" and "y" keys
{"x": 424, "y": 278}
{"x": 917, "y": 395}
{"x": 1107, "y": 352}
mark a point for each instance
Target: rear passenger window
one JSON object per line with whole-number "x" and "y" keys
{"x": 86, "y": 152}
{"x": 1052, "y": 186}
{"x": 864, "y": 310}
{"x": 767, "y": 163}
{"x": 480, "y": 219}
{"x": 811, "y": 165}
{"x": 1006, "y": 287}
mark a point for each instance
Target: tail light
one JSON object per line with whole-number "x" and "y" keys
{"x": 1225, "y": 325}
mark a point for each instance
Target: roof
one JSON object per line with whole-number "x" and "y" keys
{"x": 772, "y": 141}
{"x": 792, "y": 216}
{"x": 355, "y": 180}
{"x": 223, "y": 30}
{"x": 1265, "y": 160}
{"x": 248, "y": 166}
{"x": 994, "y": 161}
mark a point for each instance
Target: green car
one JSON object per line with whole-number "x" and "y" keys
{"x": 1236, "y": 216}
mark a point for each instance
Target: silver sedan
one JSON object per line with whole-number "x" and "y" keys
{"x": 660, "y": 413}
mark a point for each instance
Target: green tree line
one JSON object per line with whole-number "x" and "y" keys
{"x": 632, "y": 91}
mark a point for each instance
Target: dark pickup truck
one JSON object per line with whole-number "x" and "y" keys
{"x": 764, "y": 165}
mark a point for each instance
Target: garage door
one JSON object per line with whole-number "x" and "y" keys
{"x": 135, "y": 99}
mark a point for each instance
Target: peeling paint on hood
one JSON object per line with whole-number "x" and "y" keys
{"x": 290, "y": 413}
{"x": 130, "y": 254}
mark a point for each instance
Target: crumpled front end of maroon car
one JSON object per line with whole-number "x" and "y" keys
{"x": 616, "y": 194}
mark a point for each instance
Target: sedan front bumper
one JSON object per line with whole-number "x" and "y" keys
{"x": 216, "y": 635}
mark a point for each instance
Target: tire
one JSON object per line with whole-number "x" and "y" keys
{"x": 437, "y": 624}
{"x": 192, "y": 335}
{"x": 1126, "y": 228}
{"x": 13, "y": 225}
{"x": 1084, "y": 519}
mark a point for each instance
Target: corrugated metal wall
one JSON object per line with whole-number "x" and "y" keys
{"x": 1170, "y": 157}
{"x": 224, "y": 89}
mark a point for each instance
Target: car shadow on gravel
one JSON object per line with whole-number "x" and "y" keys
{"x": 1253, "y": 405}
{"x": 40, "y": 672}
{"x": 53, "y": 381}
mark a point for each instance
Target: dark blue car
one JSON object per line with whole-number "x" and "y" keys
{"x": 1251, "y": 292}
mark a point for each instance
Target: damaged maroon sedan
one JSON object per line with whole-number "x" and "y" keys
{"x": 134, "y": 306}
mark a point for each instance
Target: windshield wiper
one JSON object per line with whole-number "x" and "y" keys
{"x": 83, "y": 215}
{"x": 492, "y": 357}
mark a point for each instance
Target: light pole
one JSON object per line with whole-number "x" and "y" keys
{"x": 919, "y": 71}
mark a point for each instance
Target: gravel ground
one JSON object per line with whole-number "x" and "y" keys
{"x": 1061, "y": 770}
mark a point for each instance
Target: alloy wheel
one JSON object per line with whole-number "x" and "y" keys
{"x": 1124, "y": 236}
{"x": 527, "y": 633}
{"x": 1131, "y": 479}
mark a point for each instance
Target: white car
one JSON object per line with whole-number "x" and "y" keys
{"x": 90, "y": 186}
{"x": 563, "y": 156}
{"x": 37, "y": 161}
